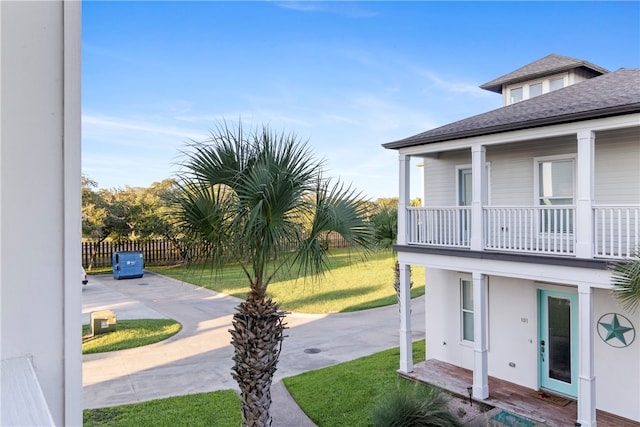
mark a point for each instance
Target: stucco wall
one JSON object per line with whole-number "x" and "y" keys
{"x": 513, "y": 336}
{"x": 617, "y": 370}
{"x": 40, "y": 289}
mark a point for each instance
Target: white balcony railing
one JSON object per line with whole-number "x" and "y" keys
{"x": 616, "y": 230}
{"x": 439, "y": 226}
{"x": 528, "y": 229}
{"x": 533, "y": 229}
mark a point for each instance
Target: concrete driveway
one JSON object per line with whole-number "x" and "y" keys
{"x": 198, "y": 358}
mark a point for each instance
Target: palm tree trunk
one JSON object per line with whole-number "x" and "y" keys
{"x": 256, "y": 336}
{"x": 396, "y": 279}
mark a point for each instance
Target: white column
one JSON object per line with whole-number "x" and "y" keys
{"x": 479, "y": 196}
{"x": 404, "y": 197}
{"x": 480, "y": 366}
{"x": 586, "y": 377}
{"x": 406, "y": 345}
{"x": 584, "y": 197}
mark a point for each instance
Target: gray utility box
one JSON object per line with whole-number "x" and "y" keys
{"x": 102, "y": 321}
{"x": 127, "y": 264}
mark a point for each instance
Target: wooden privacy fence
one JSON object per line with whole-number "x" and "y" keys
{"x": 158, "y": 251}
{"x": 155, "y": 252}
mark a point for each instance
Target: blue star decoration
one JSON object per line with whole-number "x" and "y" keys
{"x": 615, "y": 330}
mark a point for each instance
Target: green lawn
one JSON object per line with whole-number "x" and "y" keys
{"x": 352, "y": 283}
{"x": 129, "y": 334}
{"x": 338, "y": 396}
{"x": 345, "y": 394}
{"x": 219, "y": 409}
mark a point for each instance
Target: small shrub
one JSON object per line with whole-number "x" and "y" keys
{"x": 417, "y": 406}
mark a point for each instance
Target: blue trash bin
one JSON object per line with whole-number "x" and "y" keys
{"x": 127, "y": 264}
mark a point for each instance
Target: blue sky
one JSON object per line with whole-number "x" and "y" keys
{"x": 346, "y": 76}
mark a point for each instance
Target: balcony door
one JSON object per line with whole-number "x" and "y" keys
{"x": 465, "y": 195}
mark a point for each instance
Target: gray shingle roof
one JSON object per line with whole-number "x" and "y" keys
{"x": 607, "y": 95}
{"x": 550, "y": 64}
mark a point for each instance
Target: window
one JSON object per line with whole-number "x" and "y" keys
{"x": 535, "y": 90}
{"x": 515, "y": 95}
{"x": 466, "y": 293}
{"x": 555, "y": 179}
{"x": 555, "y": 189}
{"x": 555, "y": 84}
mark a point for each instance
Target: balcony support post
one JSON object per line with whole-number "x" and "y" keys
{"x": 404, "y": 200}
{"x": 480, "y": 363}
{"x": 406, "y": 342}
{"x": 479, "y": 196}
{"x": 586, "y": 373}
{"x": 584, "y": 189}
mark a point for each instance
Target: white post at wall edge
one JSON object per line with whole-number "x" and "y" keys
{"x": 586, "y": 373}
{"x": 406, "y": 343}
{"x": 480, "y": 363}
{"x": 479, "y": 195}
{"x": 584, "y": 188}
{"x": 404, "y": 200}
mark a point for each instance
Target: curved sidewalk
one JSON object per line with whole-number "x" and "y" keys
{"x": 198, "y": 358}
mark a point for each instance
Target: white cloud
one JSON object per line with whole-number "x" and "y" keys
{"x": 98, "y": 123}
{"x": 349, "y": 9}
{"x": 462, "y": 88}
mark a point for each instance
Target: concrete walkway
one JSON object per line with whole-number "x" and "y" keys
{"x": 198, "y": 358}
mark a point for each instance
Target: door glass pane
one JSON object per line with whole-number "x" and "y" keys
{"x": 465, "y": 190}
{"x": 559, "y": 336}
{"x": 468, "y": 185}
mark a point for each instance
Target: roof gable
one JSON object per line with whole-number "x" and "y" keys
{"x": 607, "y": 95}
{"x": 550, "y": 64}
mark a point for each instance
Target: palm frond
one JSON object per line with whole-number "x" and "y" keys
{"x": 626, "y": 281}
{"x": 340, "y": 209}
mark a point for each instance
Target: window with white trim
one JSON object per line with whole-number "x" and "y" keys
{"x": 535, "y": 90}
{"x": 466, "y": 296}
{"x": 555, "y": 84}
{"x": 515, "y": 95}
{"x": 555, "y": 181}
{"x": 526, "y": 90}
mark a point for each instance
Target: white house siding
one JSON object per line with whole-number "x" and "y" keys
{"x": 617, "y": 167}
{"x": 440, "y": 177}
{"x": 510, "y": 171}
{"x": 511, "y": 174}
{"x": 40, "y": 291}
{"x": 617, "y": 370}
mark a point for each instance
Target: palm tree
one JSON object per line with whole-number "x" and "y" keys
{"x": 626, "y": 281}
{"x": 385, "y": 226}
{"x": 246, "y": 194}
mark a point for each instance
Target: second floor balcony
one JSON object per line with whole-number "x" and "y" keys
{"x": 549, "y": 230}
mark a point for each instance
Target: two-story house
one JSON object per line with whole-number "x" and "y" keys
{"x": 524, "y": 209}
